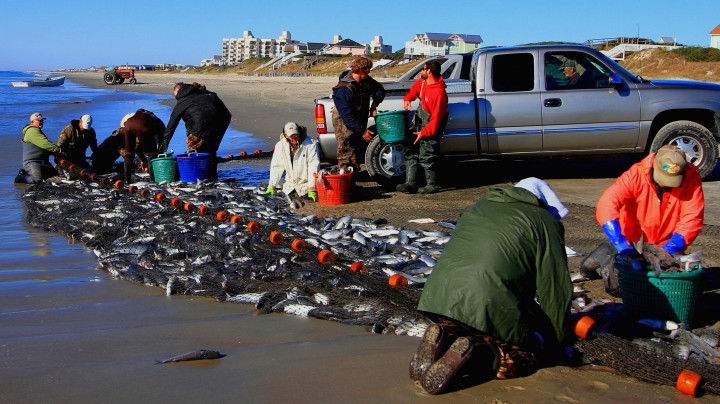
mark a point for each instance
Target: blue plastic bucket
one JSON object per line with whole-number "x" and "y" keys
{"x": 193, "y": 166}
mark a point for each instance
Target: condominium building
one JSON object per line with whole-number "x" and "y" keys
{"x": 235, "y": 50}
{"x": 433, "y": 44}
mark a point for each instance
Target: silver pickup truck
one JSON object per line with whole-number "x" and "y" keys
{"x": 518, "y": 103}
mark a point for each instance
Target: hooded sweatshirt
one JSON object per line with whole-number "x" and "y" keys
{"x": 434, "y": 100}
{"x": 299, "y": 169}
{"x": 36, "y": 146}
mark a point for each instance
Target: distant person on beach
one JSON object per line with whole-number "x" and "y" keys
{"x": 36, "y": 153}
{"x": 658, "y": 200}
{"x": 507, "y": 250}
{"x": 431, "y": 118}
{"x": 76, "y": 137}
{"x": 206, "y": 120}
{"x": 139, "y": 135}
{"x": 352, "y": 96}
{"x": 296, "y": 155}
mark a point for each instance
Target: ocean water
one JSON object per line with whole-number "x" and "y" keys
{"x": 29, "y": 255}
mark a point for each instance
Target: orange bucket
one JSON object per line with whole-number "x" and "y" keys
{"x": 333, "y": 189}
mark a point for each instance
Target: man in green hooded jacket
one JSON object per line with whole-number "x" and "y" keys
{"x": 36, "y": 153}
{"x": 501, "y": 287}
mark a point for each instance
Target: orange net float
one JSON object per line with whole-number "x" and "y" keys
{"x": 132, "y": 189}
{"x": 229, "y": 156}
{"x": 188, "y": 207}
{"x": 176, "y": 203}
{"x": 93, "y": 177}
{"x": 397, "y": 280}
{"x": 298, "y": 245}
{"x": 584, "y": 326}
{"x": 83, "y": 172}
{"x": 63, "y": 162}
{"x": 145, "y": 193}
{"x": 242, "y": 153}
{"x": 253, "y": 227}
{"x": 276, "y": 237}
{"x": 325, "y": 256}
{"x": 221, "y": 216}
{"x": 72, "y": 168}
{"x": 358, "y": 267}
{"x": 258, "y": 151}
{"x": 235, "y": 219}
{"x": 688, "y": 382}
{"x": 203, "y": 210}
{"x": 160, "y": 197}
{"x": 119, "y": 184}
{"x": 105, "y": 181}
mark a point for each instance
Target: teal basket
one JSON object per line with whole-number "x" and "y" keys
{"x": 193, "y": 166}
{"x": 665, "y": 296}
{"x": 165, "y": 168}
{"x": 392, "y": 126}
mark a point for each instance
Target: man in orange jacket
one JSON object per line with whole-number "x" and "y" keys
{"x": 659, "y": 199}
{"x": 432, "y": 117}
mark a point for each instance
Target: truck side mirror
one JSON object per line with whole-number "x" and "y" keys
{"x": 616, "y": 81}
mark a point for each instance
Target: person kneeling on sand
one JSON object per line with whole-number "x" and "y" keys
{"x": 76, "y": 137}
{"x": 139, "y": 133}
{"x": 507, "y": 249}
{"x": 36, "y": 153}
{"x": 296, "y": 156}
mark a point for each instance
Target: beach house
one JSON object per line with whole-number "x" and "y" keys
{"x": 715, "y": 37}
{"x": 434, "y": 43}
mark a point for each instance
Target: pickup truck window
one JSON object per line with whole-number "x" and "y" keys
{"x": 574, "y": 70}
{"x": 512, "y": 73}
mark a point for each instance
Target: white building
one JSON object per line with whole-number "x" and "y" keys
{"x": 715, "y": 37}
{"x": 235, "y": 50}
{"x": 433, "y": 44}
{"x": 377, "y": 46}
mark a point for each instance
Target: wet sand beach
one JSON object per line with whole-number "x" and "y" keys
{"x": 97, "y": 339}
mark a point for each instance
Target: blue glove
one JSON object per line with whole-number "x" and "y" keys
{"x": 631, "y": 258}
{"x": 614, "y": 234}
{"x": 270, "y": 191}
{"x": 675, "y": 245}
{"x": 312, "y": 195}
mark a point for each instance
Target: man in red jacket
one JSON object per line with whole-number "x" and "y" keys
{"x": 659, "y": 199}
{"x": 432, "y": 115}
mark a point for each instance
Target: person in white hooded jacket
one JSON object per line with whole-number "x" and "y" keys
{"x": 296, "y": 156}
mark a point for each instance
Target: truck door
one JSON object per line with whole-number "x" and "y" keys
{"x": 509, "y": 105}
{"x": 580, "y": 111}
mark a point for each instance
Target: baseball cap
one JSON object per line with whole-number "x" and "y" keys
{"x": 37, "y": 117}
{"x": 669, "y": 166}
{"x": 568, "y": 63}
{"x": 291, "y": 128}
{"x": 86, "y": 122}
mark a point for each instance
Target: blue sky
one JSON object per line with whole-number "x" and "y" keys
{"x": 48, "y": 35}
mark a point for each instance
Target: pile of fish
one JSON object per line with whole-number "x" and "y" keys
{"x": 139, "y": 237}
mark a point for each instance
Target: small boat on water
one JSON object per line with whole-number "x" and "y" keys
{"x": 50, "y": 81}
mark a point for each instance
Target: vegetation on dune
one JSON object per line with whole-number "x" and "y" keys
{"x": 691, "y": 63}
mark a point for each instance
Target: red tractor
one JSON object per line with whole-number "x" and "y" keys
{"x": 118, "y": 76}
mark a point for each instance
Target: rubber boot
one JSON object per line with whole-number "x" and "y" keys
{"x": 410, "y": 185}
{"x": 431, "y": 186}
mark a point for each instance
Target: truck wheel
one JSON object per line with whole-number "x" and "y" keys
{"x": 109, "y": 78}
{"x": 695, "y": 140}
{"x": 133, "y": 81}
{"x": 385, "y": 162}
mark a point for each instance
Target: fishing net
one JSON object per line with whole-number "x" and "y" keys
{"x": 141, "y": 237}
{"x": 646, "y": 364}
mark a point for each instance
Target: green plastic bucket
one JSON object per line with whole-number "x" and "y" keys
{"x": 392, "y": 126}
{"x": 666, "y": 296}
{"x": 164, "y": 167}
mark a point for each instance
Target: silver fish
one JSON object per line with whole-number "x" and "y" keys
{"x": 193, "y": 356}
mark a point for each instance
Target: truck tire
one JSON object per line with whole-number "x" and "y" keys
{"x": 109, "y": 78}
{"x": 698, "y": 143}
{"x": 133, "y": 81}
{"x": 385, "y": 162}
